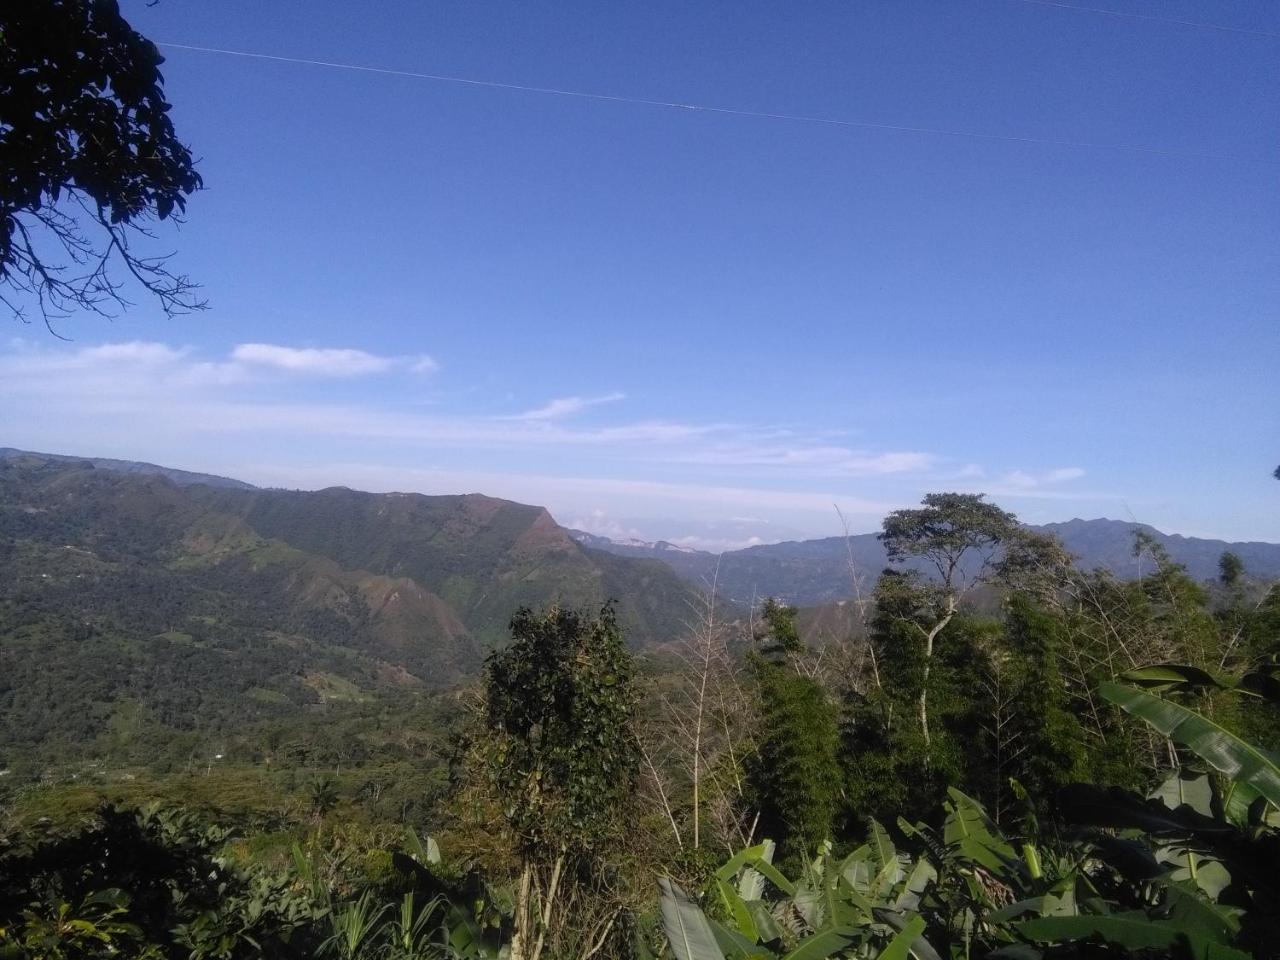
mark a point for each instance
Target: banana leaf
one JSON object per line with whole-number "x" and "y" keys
{"x": 1176, "y": 676}
{"x": 1031, "y": 905}
{"x": 751, "y": 883}
{"x": 736, "y": 946}
{"x": 1201, "y": 933}
{"x": 1191, "y": 788}
{"x": 918, "y": 880}
{"x": 766, "y": 925}
{"x": 909, "y": 934}
{"x": 1189, "y": 908}
{"x": 686, "y": 926}
{"x": 969, "y": 830}
{"x": 745, "y": 857}
{"x": 1224, "y": 751}
{"x": 743, "y": 922}
{"x": 824, "y": 944}
{"x": 899, "y": 947}
{"x": 1133, "y": 931}
{"x": 882, "y": 848}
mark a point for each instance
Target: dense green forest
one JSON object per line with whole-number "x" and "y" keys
{"x": 146, "y": 624}
{"x": 1076, "y": 765}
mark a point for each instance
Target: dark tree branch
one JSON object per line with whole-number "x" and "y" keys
{"x": 85, "y": 124}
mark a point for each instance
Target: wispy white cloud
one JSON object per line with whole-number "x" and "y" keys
{"x": 180, "y": 364}
{"x": 565, "y": 407}
{"x": 833, "y": 460}
{"x": 326, "y": 361}
{"x": 1065, "y": 473}
{"x": 135, "y": 351}
{"x": 1056, "y": 484}
{"x": 599, "y": 522}
{"x": 714, "y": 535}
{"x": 27, "y": 358}
{"x": 1025, "y": 480}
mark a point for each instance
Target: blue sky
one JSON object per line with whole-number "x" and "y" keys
{"x": 681, "y": 323}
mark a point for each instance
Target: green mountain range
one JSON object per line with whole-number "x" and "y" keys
{"x": 137, "y": 607}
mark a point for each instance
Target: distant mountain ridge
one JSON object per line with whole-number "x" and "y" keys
{"x": 180, "y": 477}
{"x": 806, "y": 572}
{"x": 814, "y": 572}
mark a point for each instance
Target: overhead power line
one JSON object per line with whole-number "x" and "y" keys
{"x": 729, "y": 111}
{"x": 1151, "y": 18}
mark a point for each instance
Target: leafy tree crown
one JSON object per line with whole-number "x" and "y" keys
{"x": 559, "y": 713}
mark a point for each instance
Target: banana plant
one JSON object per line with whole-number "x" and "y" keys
{"x": 1201, "y": 848}
{"x": 969, "y": 891}
{"x": 865, "y": 904}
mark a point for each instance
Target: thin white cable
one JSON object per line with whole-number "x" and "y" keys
{"x": 1150, "y": 18}
{"x": 725, "y": 111}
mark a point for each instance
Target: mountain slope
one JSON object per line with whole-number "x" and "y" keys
{"x": 132, "y": 607}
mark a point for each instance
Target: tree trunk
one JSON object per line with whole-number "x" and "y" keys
{"x": 547, "y": 906}
{"x": 930, "y": 636}
{"x": 520, "y": 933}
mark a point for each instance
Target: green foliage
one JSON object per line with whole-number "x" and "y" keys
{"x": 411, "y": 933}
{"x": 1230, "y": 568}
{"x": 891, "y": 769}
{"x": 982, "y": 833}
{"x": 322, "y": 797}
{"x": 152, "y": 880}
{"x": 779, "y": 625}
{"x": 354, "y": 925}
{"x": 948, "y": 529}
{"x": 559, "y": 704}
{"x": 969, "y": 891}
{"x": 795, "y": 774}
{"x": 1249, "y": 767}
{"x": 1209, "y": 838}
{"x": 1029, "y": 733}
{"x": 94, "y": 929}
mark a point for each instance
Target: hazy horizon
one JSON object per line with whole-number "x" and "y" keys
{"x": 730, "y": 533}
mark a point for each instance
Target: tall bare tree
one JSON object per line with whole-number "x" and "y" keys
{"x": 695, "y": 747}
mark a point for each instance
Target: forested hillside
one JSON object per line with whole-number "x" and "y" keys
{"x": 139, "y": 617}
